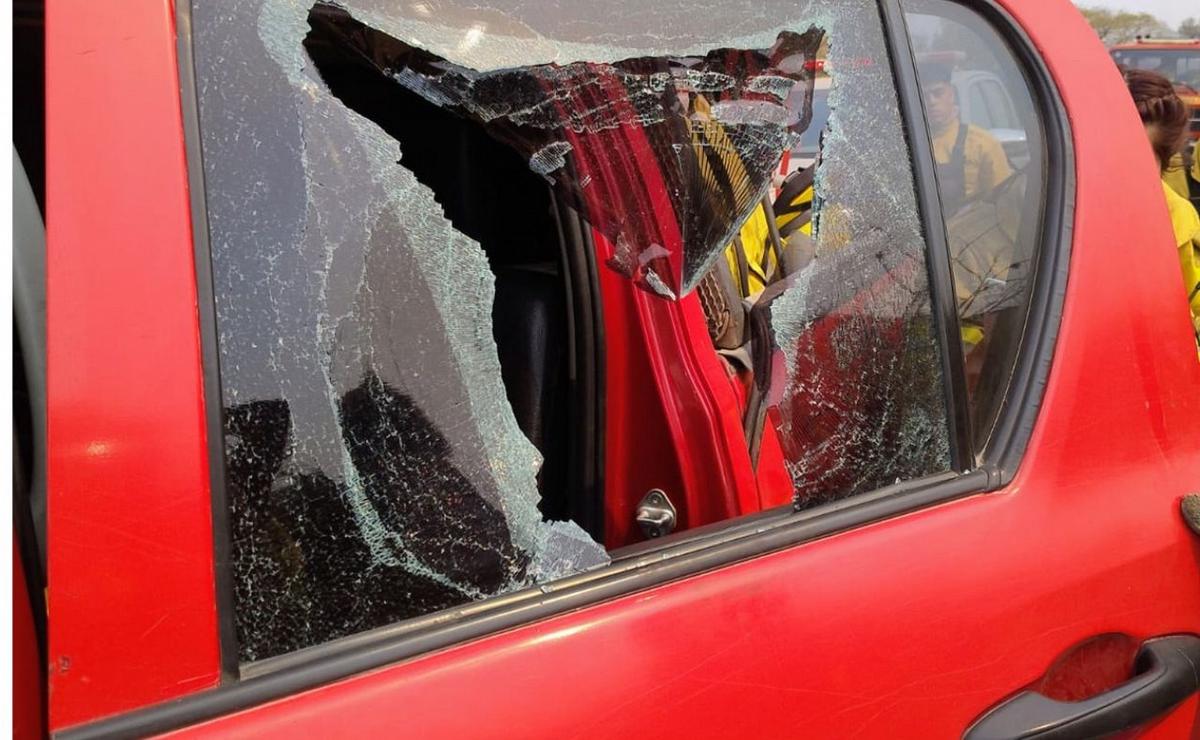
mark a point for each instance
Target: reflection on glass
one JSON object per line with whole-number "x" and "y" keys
{"x": 987, "y": 143}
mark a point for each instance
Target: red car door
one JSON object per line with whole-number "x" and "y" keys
{"x": 987, "y": 534}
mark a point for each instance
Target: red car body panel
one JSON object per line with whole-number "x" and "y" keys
{"x": 651, "y": 423}
{"x": 908, "y": 627}
{"x": 130, "y": 524}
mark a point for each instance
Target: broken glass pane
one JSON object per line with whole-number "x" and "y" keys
{"x": 699, "y": 136}
{"x": 862, "y": 405}
{"x": 375, "y": 467}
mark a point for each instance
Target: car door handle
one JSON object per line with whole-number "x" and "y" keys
{"x": 1166, "y": 671}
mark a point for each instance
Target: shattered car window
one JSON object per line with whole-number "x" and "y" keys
{"x": 861, "y": 402}
{"x": 375, "y": 468}
{"x": 566, "y": 119}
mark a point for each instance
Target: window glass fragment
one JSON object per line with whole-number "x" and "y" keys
{"x": 700, "y": 136}
{"x": 862, "y": 405}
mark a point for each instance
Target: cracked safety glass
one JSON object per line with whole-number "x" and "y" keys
{"x": 711, "y": 129}
{"x": 838, "y": 341}
{"x": 389, "y": 187}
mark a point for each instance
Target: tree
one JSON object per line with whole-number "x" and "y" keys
{"x": 1190, "y": 28}
{"x": 1120, "y": 26}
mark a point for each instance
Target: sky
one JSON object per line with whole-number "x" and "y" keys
{"x": 1170, "y": 11}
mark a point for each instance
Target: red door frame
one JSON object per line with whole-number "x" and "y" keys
{"x": 130, "y": 549}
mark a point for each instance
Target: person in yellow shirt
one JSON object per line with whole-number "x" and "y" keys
{"x": 970, "y": 161}
{"x": 1186, "y": 225}
{"x": 1175, "y": 175}
{"x": 1194, "y": 177}
{"x": 1166, "y": 117}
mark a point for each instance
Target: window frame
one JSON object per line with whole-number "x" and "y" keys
{"x": 1001, "y": 452}
{"x": 706, "y": 548}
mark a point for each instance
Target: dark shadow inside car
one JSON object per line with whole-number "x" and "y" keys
{"x": 489, "y": 193}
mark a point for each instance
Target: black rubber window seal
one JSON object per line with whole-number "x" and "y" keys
{"x": 209, "y": 346}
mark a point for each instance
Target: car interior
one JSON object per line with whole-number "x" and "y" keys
{"x": 547, "y": 321}
{"x": 545, "y": 311}
{"x": 29, "y": 423}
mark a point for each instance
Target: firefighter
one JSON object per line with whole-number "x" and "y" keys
{"x": 749, "y": 256}
{"x": 1176, "y": 175}
{"x": 1186, "y": 225}
{"x": 970, "y": 161}
{"x": 1166, "y": 117}
{"x": 1194, "y": 177}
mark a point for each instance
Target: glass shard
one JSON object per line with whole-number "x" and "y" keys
{"x": 863, "y": 404}
{"x": 698, "y": 137}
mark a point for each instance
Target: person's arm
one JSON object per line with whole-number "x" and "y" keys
{"x": 1189, "y": 262}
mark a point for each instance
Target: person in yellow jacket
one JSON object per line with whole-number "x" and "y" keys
{"x": 1194, "y": 176}
{"x": 970, "y": 161}
{"x": 792, "y": 212}
{"x": 750, "y": 258}
{"x": 1175, "y": 175}
{"x": 1166, "y": 117}
{"x": 1185, "y": 223}
{"x": 717, "y": 161}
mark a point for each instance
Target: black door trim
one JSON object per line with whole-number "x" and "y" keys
{"x": 214, "y": 407}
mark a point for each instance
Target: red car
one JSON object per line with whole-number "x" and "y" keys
{"x": 417, "y": 369}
